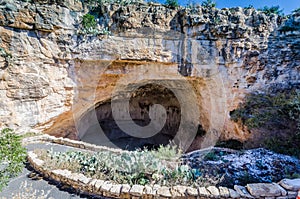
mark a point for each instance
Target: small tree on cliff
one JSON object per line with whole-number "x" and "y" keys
{"x": 271, "y": 10}
{"x": 208, "y": 4}
{"x": 172, "y": 3}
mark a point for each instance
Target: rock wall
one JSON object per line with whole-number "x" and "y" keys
{"x": 50, "y": 75}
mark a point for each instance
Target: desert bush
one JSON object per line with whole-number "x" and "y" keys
{"x": 89, "y": 26}
{"x": 208, "y": 4}
{"x": 273, "y": 111}
{"x": 172, "y": 3}
{"x": 271, "y": 10}
{"x": 12, "y": 156}
{"x": 291, "y": 24}
{"x": 89, "y": 22}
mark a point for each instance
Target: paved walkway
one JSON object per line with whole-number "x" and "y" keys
{"x": 29, "y": 185}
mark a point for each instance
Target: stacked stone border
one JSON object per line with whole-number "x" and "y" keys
{"x": 285, "y": 189}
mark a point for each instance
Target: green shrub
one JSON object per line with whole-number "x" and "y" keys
{"x": 288, "y": 145}
{"x": 208, "y": 4}
{"x": 12, "y": 156}
{"x": 271, "y": 10}
{"x": 231, "y": 144}
{"x": 172, "y": 3}
{"x": 89, "y": 26}
{"x": 259, "y": 109}
{"x": 211, "y": 156}
{"x": 89, "y": 22}
{"x": 276, "y": 112}
{"x": 169, "y": 152}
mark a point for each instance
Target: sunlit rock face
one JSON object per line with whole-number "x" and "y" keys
{"x": 54, "y": 77}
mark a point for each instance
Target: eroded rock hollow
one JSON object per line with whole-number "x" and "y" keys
{"x": 140, "y": 104}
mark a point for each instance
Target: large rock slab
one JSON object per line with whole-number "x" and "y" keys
{"x": 291, "y": 185}
{"x": 265, "y": 189}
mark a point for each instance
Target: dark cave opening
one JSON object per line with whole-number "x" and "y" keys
{"x": 140, "y": 103}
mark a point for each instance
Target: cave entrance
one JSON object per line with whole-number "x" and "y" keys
{"x": 140, "y": 103}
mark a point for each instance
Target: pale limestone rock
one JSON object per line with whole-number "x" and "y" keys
{"x": 91, "y": 185}
{"x": 164, "y": 192}
{"x": 214, "y": 191}
{"x": 63, "y": 173}
{"x": 224, "y": 192}
{"x": 282, "y": 197}
{"x": 115, "y": 190}
{"x": 105, "y": 188}
{"x": 192, "y": 191}
{"x": 98, "y": 185}
{"x": 155, "y": 188}
{"x": 178, "y": 191}
{"x": 292, "y": 185}
{"x": 148, "y": 192}
{"x": 242, "y": 191}
{"x": 292, "y": 194}
{"x": 203, "y": 192}
{"x": 264, "y": 189}
{"x": 233, "y": 194}
{"x": 125, "y": 191}
{"x": 137, "y": 190}
{"x": 83, "y": 179}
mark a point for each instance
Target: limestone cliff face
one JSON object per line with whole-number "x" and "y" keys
{"x": 50, "y": 75}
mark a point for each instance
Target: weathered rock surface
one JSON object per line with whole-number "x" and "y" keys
{"x": 265, "y": 189}
{"x": 292, "y": 185}
{"x": 225, "y": 57}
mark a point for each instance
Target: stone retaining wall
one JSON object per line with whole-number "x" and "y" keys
{"x": 285, "y": 189}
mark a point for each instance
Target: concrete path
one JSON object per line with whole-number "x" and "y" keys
{"x": 29, "y": 185}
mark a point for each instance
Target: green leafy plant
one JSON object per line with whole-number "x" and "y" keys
{"x": 208, "y": 4}
{"x": 211, "y": 156}
{"x": 271, "y": 10}
{"x": 89, "y": 26}
{"x": 260, "y": 109}
{"x": 247, "y": 178}
{"x": 273, "y": 111}
{"x": 169, "y": 152}
{"x": 89, "y": 22}
{"x": 12, "y": 156}
{"x": 172, "y": 3}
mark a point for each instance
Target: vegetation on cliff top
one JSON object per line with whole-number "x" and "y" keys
{"x": 271, "y": 10}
